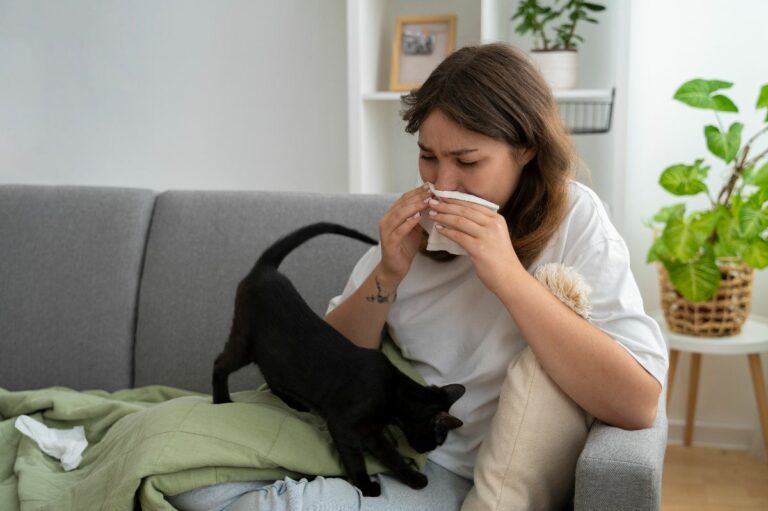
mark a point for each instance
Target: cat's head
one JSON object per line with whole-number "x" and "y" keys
{"x": 426, "y": 421}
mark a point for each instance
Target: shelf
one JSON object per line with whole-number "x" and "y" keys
{"x": 583, "y": 94}
{"x": 584, "y": 111}
{"x": 587, "y": 111}
{"x": 383, "y": 96}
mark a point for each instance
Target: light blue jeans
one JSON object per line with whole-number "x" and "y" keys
{"x": 445, "y": 492}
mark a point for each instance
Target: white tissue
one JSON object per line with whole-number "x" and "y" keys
{"x": 66, "y": 445}
{"x": 436, "y": 240}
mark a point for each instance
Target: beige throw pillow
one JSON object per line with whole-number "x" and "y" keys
{"x": 528, "y": 459}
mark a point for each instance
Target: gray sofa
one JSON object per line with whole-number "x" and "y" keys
{"x": 114, "y": 288}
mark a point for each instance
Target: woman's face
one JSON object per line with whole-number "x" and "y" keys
{"x": 456, "y": 159}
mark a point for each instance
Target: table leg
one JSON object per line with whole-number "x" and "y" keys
{"x": 757, "y": 380}
{"x": 673, "y": 355}
{"x": 693, "y": 392}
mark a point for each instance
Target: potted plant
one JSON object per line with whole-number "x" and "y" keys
{"x": 706, "y": 257}
{"x": 555, "y": 36}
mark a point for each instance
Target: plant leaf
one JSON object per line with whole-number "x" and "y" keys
{"x": 755, "y": 253}
{"x": 705, "y": 222}
{"x": 658, "y": 251}
{"x": 664, "y": 214}
{"x": 762, "y": 100}
{"x": 727, "y": 233}
{"x": 757, "y": 199}
{"x": 684, "y": 179}
{"x": 685, "y": 237}
{"x": 759, "y": 178}
{"x": 727, "y": 227}
{"x": 679, "y": 238}
{"x": 698, "y": 94}
{"x": 698, "y": 281}
{"x": 724, "y": 145}
{"x": 752, "y": 221}
{"x": 594, "y": 7}
{"x": 723, "y": 104}
{"x": 723, "y": 249}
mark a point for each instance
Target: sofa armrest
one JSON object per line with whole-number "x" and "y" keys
{"x": 620, "y": 469}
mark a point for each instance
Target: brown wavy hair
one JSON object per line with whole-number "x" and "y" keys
{"x": 495, "y": 90}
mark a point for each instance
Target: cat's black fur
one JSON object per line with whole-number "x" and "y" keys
{"x": 311, "y": 366}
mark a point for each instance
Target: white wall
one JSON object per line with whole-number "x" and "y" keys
{"x": 670, "y": 43}
{"x": 174, "y": 94}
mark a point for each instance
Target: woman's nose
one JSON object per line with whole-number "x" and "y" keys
{"x": 447, "y": 180}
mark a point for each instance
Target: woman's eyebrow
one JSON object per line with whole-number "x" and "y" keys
{"x": 455, "y": 152}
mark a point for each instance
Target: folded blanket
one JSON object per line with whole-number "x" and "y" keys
{"x": 153, "y": 441}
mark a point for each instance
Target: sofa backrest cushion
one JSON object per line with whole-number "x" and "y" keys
{"x": 201, "y": 244}
{"x": 70, "y": 261}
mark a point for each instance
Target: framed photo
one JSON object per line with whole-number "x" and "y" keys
{"x": 419, "y": 45}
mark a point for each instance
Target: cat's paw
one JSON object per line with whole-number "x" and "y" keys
{"x": 220, "y": 400}
{"x": 415, "y": 480}
{"x": 371, "y": 489}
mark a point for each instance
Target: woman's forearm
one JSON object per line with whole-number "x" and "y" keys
{"x": 362, "y": 315}
{"x": 583, "y": 360}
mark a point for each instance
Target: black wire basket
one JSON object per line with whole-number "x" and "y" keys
{"x": 587, "y": 114}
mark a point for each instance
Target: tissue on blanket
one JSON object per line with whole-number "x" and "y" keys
{"x": 66, "y": 445}
{"x": 436, "y": 240}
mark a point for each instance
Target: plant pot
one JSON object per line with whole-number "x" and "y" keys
{"x": 721, "y": 315}
{"x": 559, "y": 67}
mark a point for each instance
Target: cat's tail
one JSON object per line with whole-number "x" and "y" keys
{"x": 274, "y": 255}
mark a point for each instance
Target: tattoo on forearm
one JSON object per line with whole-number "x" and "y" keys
{"x": 381, "y": 296}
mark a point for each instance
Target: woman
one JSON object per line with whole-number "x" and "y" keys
{"x": 488, "y": 126}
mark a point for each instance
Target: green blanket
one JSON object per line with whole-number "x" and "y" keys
{"x": 148, "y": 442}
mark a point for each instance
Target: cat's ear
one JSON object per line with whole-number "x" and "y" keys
{"x": 445, "y": 422}
{"x": 454, "y": 391}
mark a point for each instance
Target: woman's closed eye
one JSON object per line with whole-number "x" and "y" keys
{"x": 462, "y": 163}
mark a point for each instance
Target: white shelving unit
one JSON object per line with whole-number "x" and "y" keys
{"x": 382, "y": 157}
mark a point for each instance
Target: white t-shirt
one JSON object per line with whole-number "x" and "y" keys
{"x": 455, "y": 330}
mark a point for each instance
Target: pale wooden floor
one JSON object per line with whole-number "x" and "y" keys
{"x": 701, "y": 479}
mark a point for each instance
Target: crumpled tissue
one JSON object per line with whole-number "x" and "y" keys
{"x": 436, "y": 240}
{"x": 66, "y": 445}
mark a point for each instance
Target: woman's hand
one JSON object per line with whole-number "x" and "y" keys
{"x": 401, "y": 234}
{"x": 484, "y": 234}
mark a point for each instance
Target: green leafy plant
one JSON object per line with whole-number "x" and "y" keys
{"x": 536, "y": 18}
{"x": 736, "y": 223}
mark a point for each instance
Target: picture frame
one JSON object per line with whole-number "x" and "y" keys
{"x": 419, "y": 44}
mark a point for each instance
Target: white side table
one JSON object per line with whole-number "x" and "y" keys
{"x": 752, "y": 340}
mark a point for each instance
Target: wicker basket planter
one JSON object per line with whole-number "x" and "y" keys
{"x": 722, "y": 315}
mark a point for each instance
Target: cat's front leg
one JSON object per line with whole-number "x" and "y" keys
{"x": 380, "y": 447}
{"x": 350, "y": 449}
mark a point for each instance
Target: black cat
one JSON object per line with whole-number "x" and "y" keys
{"x": 311, "y": 366}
